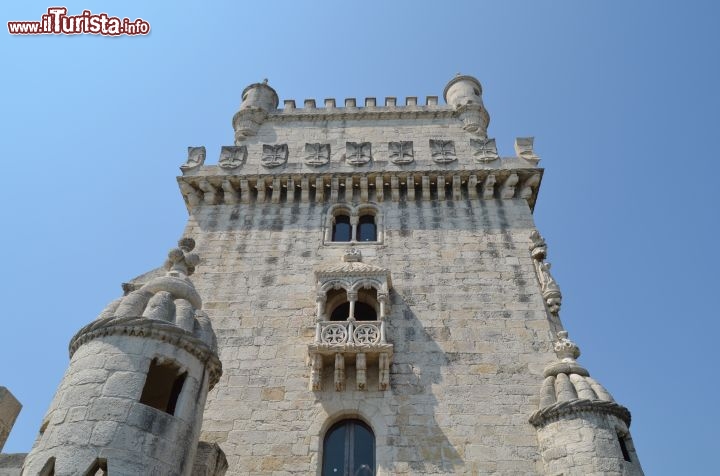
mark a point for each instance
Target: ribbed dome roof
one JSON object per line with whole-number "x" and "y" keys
{"x": 568, "y": 388}
{"x": 567, "y": 380}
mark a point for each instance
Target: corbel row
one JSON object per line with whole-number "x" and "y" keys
{"x": 383, "y": 362}
{"x": 501, "y": 184}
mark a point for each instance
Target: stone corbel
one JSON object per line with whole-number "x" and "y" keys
{"x": 475, "y": 118}
{"x": 339, "y": 372}
{"x": 384, "y": 371}
{"x": 508, "y": 188}
{"x": 316, "y": 372}
{"x": 246, "y": 123}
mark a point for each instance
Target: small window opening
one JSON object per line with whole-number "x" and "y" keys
{"x": 623, "y": 447}
{"x": 342, "y": 230}
{"x": 49, "y": 468}
{"x": 98, "y": 468}
{"x": 163, "y": 385}
{"x": 367, "y": 231}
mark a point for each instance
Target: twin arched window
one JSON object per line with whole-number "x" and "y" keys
{"x": 349, "y": 450}
{"x": 360, "y": 225}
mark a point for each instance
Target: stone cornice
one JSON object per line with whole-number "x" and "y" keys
{"x": 578, "y": 406}
{"x": 153, "y": 329}
{"x": 214, "y": 186}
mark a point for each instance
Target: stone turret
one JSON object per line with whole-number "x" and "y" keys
{"x": 464, "y": 93}
{"x": 258, "y": 100}
{"x": 581, "y": 429}
{"x": 132, "y": 399}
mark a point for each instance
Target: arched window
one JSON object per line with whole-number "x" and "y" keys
{"x": 342, "y": 230}
{"x": 366, "y": 230}
{"x": 349, "y": 450}
{"x": 355, "y": 225}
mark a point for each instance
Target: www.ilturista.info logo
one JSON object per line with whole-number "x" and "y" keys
{"x": 58, "y": 22}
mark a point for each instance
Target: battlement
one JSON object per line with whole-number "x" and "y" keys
{"x": 370, "y": 105}
{"x": 392, "y": 151}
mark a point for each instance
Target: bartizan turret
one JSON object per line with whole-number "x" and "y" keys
{"x": 132, "y": 399}
{"x": 581, "y": 429}
{"x": 464, "y": 93}
{"x": 258, "y": 100}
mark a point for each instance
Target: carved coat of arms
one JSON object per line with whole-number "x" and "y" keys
{"x": 196, "y": 158}
{"x": 442, "y": 151}
{"x": 232, "y": 156}
{"x": 274, "y": 155}
{"x": 358, "y": 153}
{"x": 485, "y": 150}
{"x": 317, "y": 154}
{"x": 401, "y": 153}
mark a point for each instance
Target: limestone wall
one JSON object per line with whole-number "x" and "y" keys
{"x": 470, "y": 331}
{"x": 587, "y": 445}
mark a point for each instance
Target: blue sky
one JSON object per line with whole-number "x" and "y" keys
{"x": 621, "y": 97}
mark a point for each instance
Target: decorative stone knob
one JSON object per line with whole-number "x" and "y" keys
{"x": 181, "y": 260}
{"x": 565, "y": 349}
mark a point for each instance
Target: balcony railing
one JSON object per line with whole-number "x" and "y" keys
{"x": 350, "y": 332}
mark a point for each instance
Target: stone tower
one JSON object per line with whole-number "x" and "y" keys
{"x": 132, "y": 399}
{"x": 381, "y": 297}
{"x": 381, "y": 304}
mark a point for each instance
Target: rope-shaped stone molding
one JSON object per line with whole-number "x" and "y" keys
{"x": 578, "y": 406}
{"x": 152, "y": 329}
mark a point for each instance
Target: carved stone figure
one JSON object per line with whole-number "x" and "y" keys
{"x": 548, "y": 286}
{"x": 442, "y": 151}
{"x": 401, "y": 153}
{"x": 485, "y": 150}
{"x": 358, "y": 153}
{"x": 232, "y": 156}
{"x": 317, "y": 154}
{"x": 274, "y": 155}
{"x": 196, "y": 158}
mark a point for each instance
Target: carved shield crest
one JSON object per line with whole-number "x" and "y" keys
{"x": 485, "y": 150}
{"x": 358, "y": 153}
{"x": 274, "y": 155}
{"x": 442, "y": 151}
{"x": 317, "y": 154}
{"x": 401, "y": 153}
{"x": 232, "y": 156}
{"x": 196, "y": 158}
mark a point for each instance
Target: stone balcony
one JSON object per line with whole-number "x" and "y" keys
{"x": 360, "y": 342}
